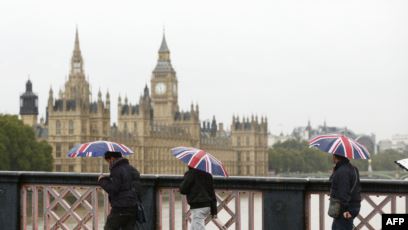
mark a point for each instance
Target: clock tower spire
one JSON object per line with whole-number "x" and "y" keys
{"x": 77, "y": 87}
{"x": 164, "y": 87}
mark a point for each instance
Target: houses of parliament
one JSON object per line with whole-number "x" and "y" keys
{"x": 150, "y": 125}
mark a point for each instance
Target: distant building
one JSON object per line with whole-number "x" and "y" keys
{"x": 29, "y": 105}
{"x": 29, "y": 112}
{"x": 307, "y": 132}
{"x": 151, "y": 127}
{"x": 398, "y": 142}
{"x": 273, "y": 139}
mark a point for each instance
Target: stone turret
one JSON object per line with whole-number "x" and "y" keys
{"x": 108, "y": 101}
{"x": 29, "y": 105}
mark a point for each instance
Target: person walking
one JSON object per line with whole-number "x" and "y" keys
{"x": 198, "y": 186}
{"x": 345, "y": 189}
{"x": 123, "y": 187}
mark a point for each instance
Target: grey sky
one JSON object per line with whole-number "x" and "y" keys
{"x": 343, "y": 61}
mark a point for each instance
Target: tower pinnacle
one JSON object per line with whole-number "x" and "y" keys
{"x": 164, "y": 63}
{"x": 163, "y": 46}
{"x": 76, "y": 61}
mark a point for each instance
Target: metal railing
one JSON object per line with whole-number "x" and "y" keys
{"x": 74, "y": 201}
{"x": 232, "y": 206}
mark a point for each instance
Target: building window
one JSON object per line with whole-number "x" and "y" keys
{"x": 71, "y": 168}
{"x": 238, "y": 141}
{"x": 93, "y": 129}
{"x": 71, "y": 127}
{"x": 247, "y": 141}
{"x": 70, "y": 146}
{"x": 83, "y": 127}
{"x": 57, "y": 168}
{"x": 58, "y": 150}
{"x": 58, "y": 127}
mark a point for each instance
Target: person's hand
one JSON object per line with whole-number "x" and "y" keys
{"x": 100, "y": 177}
{"x": 347, "y": 215}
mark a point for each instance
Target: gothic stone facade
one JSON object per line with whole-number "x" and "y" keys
{"x": 151, "y": 127}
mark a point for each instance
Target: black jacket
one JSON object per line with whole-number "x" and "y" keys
{"x": 122, "y": 185}
{"x": 342, "y": 180}
{"x": 198, "y": 186}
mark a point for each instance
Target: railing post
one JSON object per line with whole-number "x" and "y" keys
{"x": 149, "y": 202}
{"x": 284, "y": 209}
{"x": 10, "y": 200}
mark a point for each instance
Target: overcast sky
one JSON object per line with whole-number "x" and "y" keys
{"x": 345, "y": 62}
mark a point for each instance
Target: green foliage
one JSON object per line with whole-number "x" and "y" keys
{"x": 293, "y": 156}
{"x": 19, "y": 149}
{"x": 296, "y": 156}
{"x": 362, "y": 165}
{"x": 385, "y": 161}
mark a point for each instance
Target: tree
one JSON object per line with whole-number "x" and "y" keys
{"x": 361, "y": 164}
{"x": 385, "y": 161}
{"x": 19, "y": 149}
{"x": 296, "y": 156}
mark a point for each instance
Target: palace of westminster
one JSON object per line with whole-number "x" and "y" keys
{"x": 150, "y": 127}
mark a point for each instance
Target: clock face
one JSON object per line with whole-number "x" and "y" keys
{"x": 160, "y": 88}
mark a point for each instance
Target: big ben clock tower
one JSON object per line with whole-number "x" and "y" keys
{"x": 164, "y": 87}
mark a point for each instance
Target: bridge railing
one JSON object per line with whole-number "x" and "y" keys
{"x": 31, "y": 200}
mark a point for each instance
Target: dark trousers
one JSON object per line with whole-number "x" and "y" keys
{"x": 343, "y": 224}
{"x": 120, "y": 221}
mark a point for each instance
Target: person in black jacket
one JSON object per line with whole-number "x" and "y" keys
{"x": 345, "y": 186}
{"x": 123, "y": 188}
{"x": 198, "y": 187}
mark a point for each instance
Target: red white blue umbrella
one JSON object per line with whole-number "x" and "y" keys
{"x": 340, "y": 145}
{"x": 199, "y": 159}
{"x": 98, "y": 149}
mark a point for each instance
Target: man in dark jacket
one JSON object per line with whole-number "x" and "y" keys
{"x": 345, "y": 186}
{"x": 198, "y": 187}
{"x": 123, "y": 187}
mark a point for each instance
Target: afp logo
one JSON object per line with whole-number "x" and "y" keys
{"x": 394, "y": 221}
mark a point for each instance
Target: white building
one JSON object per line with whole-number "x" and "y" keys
{"x": 398, "y": 142}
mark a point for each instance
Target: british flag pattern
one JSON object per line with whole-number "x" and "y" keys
{"x": 340, "y": 145}
{"x": 98, "y": 149}
{"x": 201, "y": 160}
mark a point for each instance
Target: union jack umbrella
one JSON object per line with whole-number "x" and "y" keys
{"x": 98, "y": 149}
{"x": 199, "y": 159}
{"x": 403, "y": 163}
{"x": 340, "y": 145}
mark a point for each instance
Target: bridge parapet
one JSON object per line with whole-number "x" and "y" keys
{"x": 39, "y": 200}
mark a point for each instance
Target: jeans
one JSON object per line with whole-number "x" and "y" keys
{"x": 342, "y": 224}
{"x": 198, "y": 216}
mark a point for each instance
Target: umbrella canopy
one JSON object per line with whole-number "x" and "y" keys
{"x": 98, "y": 149}
{"x": 403, "y": 163}
{"x": 340, "y": 145}
{"x": 199, "y": 159}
